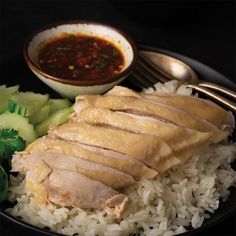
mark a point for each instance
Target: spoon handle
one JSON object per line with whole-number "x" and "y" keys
{"x": 229, "y": 104}
{"x": 219, "y": 88}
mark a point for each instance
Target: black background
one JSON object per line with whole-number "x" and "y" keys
{"x": 203, "y": 30}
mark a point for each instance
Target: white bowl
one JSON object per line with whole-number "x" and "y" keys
{"x": 72, "y": 88}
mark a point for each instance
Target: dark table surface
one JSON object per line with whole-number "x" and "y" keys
{"x": 205, "y": 31}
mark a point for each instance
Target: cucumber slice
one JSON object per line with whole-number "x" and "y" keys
{"x": 26, "y": 103}
{"x": 5, "y": 94}
{"x": 58, "y": 104}
{"x": 19, "y": 123}
{"x": 40, "y": 115}
{"x": 55, "y": 119}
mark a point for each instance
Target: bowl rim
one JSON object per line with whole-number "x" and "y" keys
{"x": 33, "y": 66}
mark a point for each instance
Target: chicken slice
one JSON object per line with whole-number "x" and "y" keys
{"x": 35, "y": 177}
{"x": 106, "y": 175}
{"x": 123, "y": 91}
{"x": 114, "y": 160}
{"x": 109, "y": 176}
{"x": 202, "y": 108}
{"x": 67, "y": 188}
{"x": 179, "y": 138}
{"x": 149, "y": 149}
{"x": 161, "y": 166}
{"x": 151, "y": 108}
{"x": 18, "y": 162}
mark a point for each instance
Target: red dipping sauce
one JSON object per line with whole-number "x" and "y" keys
{"x": 80, "y": 57}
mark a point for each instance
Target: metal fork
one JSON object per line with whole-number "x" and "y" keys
{"x": 145, "y": 75}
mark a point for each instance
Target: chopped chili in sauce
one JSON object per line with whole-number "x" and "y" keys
{"x": 80, "y": 57}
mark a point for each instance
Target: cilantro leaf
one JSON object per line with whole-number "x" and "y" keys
{"x": 9, "y": 143}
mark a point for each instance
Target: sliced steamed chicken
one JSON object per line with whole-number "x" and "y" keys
{"x": 112, "y": 159}
{"x": 106, "y": 175}
{"x": 68, "y": 188}
{"x": 150, "y": 149}
{"x": 145, "y": 107}
{"x": 49, "y": 178}
{"x": 202, "y": 108}
{"x": 114, "y": 140}
{"x": 179, "y": 138}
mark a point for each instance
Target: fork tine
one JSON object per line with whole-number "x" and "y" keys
{"x": 132, "y": 79}
{"x": 141, "y": 80}
{"x": 153, "y": 71}
{"x": 146, "y": 74}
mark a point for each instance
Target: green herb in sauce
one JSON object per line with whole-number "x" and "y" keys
{"x": 80, "y": 57}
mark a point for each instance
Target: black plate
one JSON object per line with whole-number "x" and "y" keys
{"x": 29, "y": 82}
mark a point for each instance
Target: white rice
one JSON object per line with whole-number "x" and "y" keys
{"x": 183, "y": 196}
{"x": 173, "y": 86}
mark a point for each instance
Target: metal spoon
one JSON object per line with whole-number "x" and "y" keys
{"x": 175, "y": 69}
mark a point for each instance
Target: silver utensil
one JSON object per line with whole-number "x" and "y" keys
{"x": 153, "y": 67}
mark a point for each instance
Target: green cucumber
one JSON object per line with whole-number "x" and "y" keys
{"x": 57, "y": 118}
{"x": 26, "y": 103}
{"x": 19, "y": 123}
{"x": 5, "y": 94}
{"x": 58, "y": 104}
{"x": 40, "y": 115}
